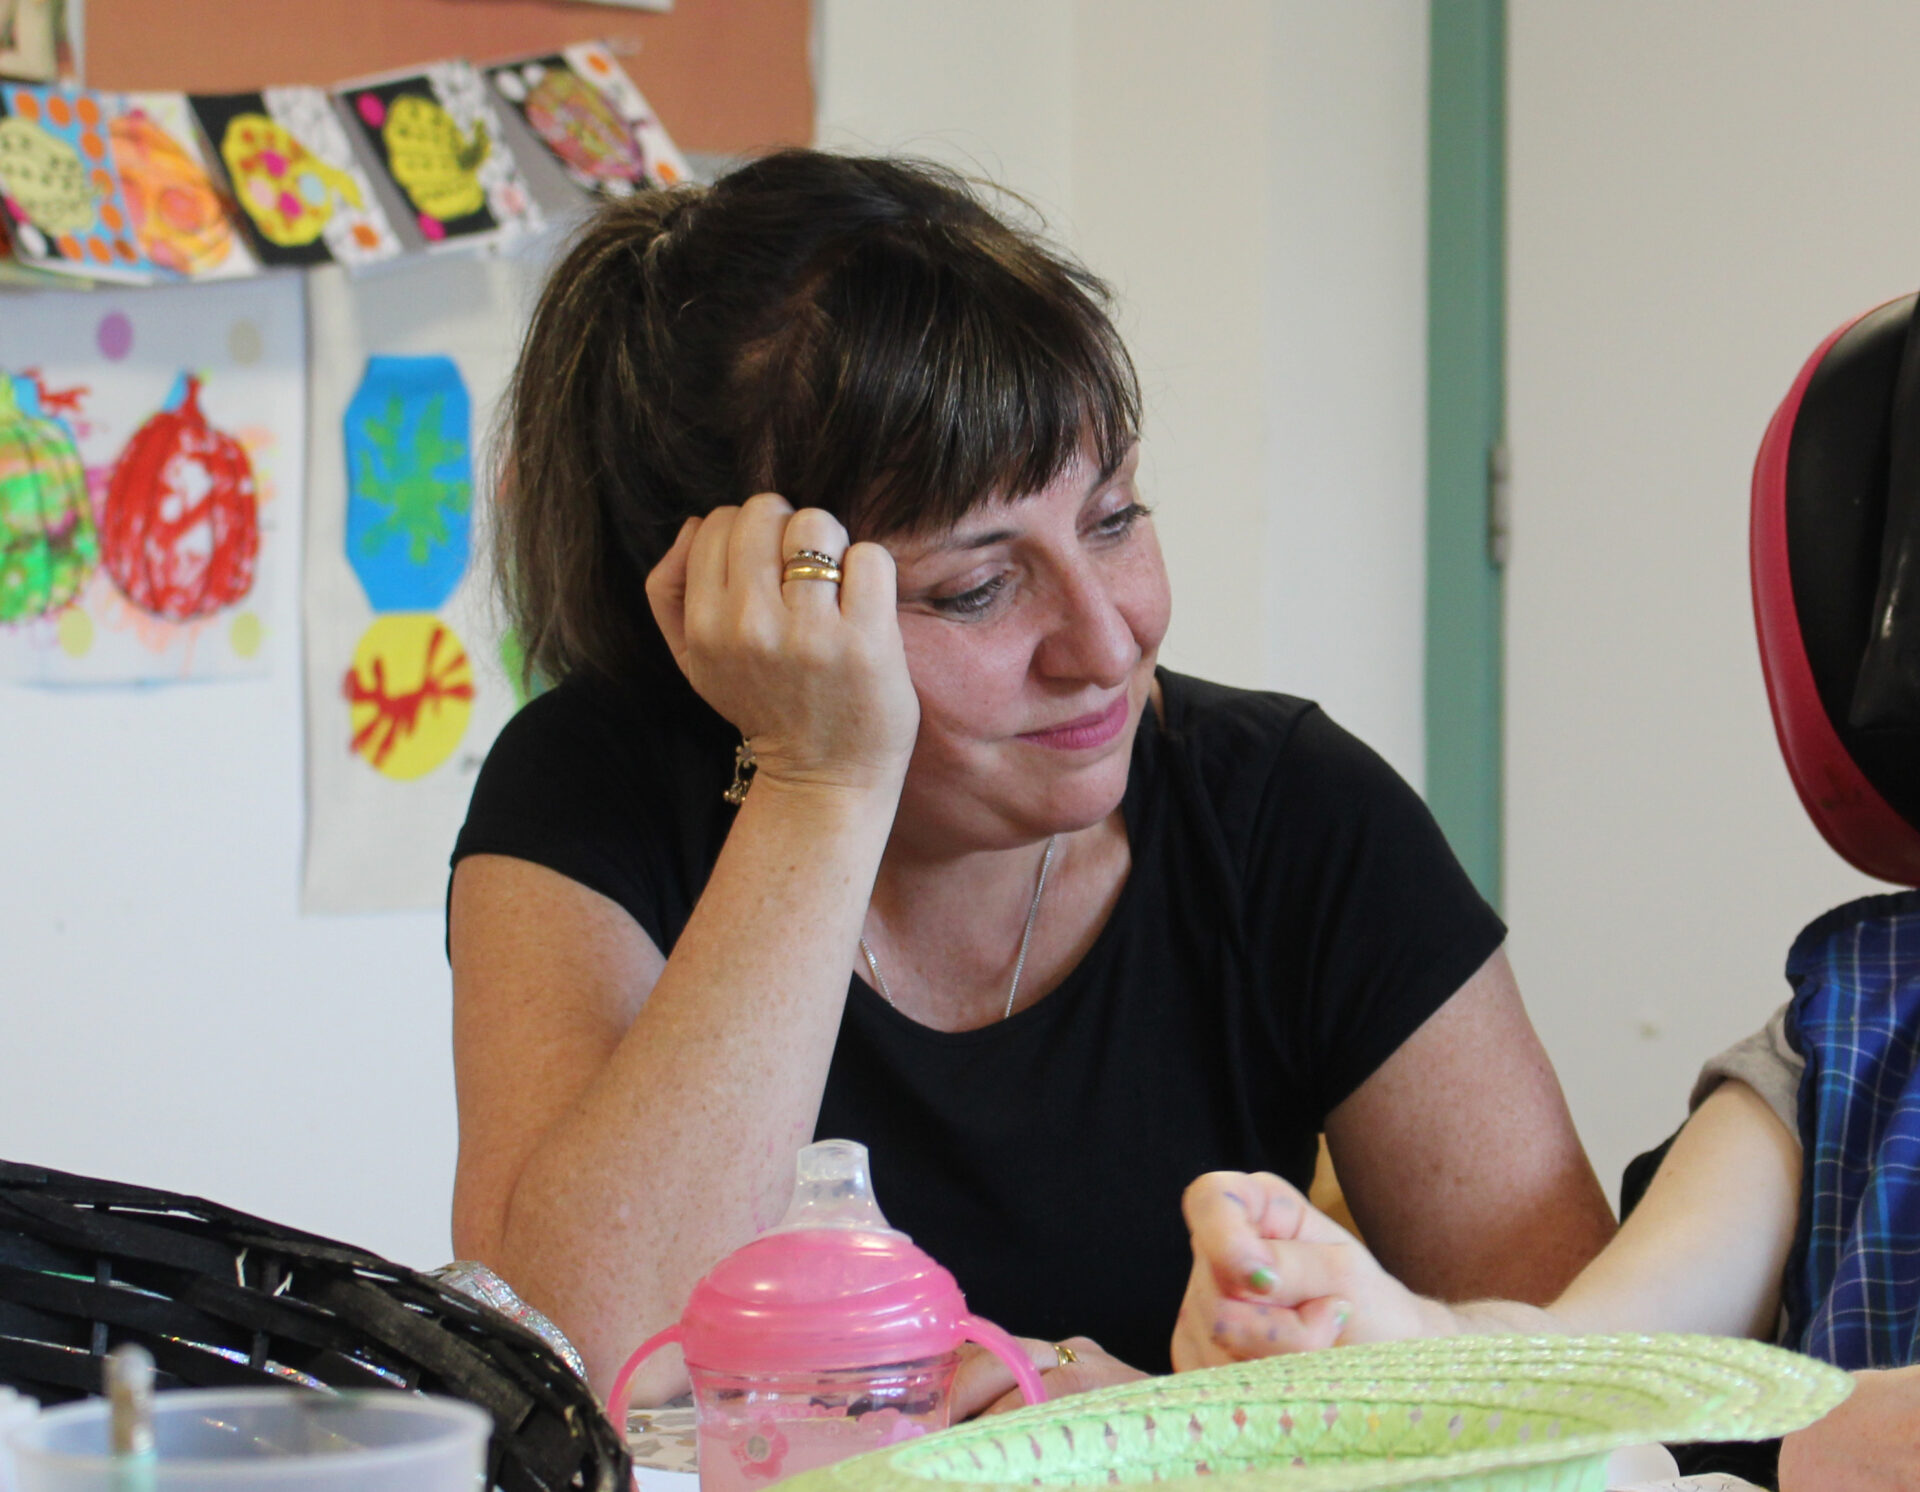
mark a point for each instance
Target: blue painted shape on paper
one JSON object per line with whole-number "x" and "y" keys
{"x": 409, "y": 482}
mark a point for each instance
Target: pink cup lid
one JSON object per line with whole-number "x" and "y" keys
{"x": 831, "y": 1288}
{"x": 825, "y": 1298}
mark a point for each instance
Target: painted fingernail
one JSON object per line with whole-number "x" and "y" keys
{"x": 1260, "y": 1277}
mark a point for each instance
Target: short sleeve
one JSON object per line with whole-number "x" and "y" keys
{"x": 1767, "y": 1063}
{"x": 1365, "y": 901}
{"x": 582, "y": 782}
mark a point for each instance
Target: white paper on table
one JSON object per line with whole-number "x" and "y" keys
{"x": 375, "y": 843}
{"x": 652, "y": 1479}
{"x": 108, "y": 361}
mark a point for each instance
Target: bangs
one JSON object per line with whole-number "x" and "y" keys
{"x": 930, "y": 367}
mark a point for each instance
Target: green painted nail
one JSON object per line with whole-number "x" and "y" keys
{"x": 1260, "y": 1277}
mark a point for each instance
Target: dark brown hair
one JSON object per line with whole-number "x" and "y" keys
{"x": 859, "y": 335}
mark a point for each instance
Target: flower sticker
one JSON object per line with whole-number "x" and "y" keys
{"x": 761, "y": 1452}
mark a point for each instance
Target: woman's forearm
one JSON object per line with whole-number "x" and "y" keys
{"x": 680, "y": 1147}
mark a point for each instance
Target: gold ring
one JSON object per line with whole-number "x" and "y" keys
{"x": 810, "y": 564}
{"x": 1065, "y": 1353}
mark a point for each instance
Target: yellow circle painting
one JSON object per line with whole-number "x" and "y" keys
{"x": 409, "y": 694}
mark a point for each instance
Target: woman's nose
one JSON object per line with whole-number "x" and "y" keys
{"x": 1090, "y": 638}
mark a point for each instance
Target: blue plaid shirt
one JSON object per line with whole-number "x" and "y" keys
{"x": 1853, "y": 1281}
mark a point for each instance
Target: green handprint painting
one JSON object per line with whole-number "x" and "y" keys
{"x": 410, "y": 482}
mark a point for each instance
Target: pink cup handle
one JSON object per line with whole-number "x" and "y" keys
{"x": 1009, "y": 1352}
{"x": 623, "y": 1380}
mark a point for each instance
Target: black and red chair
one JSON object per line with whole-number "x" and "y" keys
{"x": 1836, "y": 587}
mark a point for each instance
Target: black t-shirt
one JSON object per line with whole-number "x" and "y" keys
{"x": 1292, "y": 915}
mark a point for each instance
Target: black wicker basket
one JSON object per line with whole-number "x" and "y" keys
{"x": 222, "y": 1299}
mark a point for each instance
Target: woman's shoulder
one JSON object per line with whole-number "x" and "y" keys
{"x": 590, "y": 755}
{"x": 1280, "y": 775}
{"x": 588, "y": 722}
{"x": 1247, "y": 736}
{"x": 615, "y": 787}
{"x": 1199, "y": 714}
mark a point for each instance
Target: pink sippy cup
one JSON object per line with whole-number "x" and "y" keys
{"x": 828, "y": 1335}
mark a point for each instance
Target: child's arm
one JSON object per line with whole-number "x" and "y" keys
{"x": 1703, "y": 1252}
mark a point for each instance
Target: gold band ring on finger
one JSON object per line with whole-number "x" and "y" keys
{"x": 811, "y": 564}
{"x": 1065, "y": 1354}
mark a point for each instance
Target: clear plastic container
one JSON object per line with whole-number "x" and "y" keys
{"x": 756, "y": 1428}
{"x": 264, "y": 1440}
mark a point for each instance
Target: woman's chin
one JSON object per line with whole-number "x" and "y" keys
{"x": 1084, "y": 799}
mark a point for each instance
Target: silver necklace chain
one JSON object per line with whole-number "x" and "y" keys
{"x": 1026, "y": 937}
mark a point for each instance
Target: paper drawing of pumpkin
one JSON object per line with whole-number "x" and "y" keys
{"x": 45, "y": 177}
{"x": 432, "y": 160}
{"x": 180, "y": 527}
{"x": 284, "y": 187}
{"x": 47, "y": 541}
{"x": 177, "y": 215}
{"x": 580, "y": 127}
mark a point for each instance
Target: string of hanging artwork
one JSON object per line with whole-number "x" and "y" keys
{"x": 157, "y": 187}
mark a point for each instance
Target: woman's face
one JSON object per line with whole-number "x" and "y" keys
{"x": 1031, "y": 630}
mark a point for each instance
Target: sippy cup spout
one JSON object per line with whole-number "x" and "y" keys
{"x": 832, "y": 1188}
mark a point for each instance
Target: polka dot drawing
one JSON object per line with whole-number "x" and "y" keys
{"x": 180, "y": 528}
{"x": 56, "y": 179}
{"x": 434, "y": 160}
{"x": 114, "y": 335}
{"x": 285, "y": 189}
{"x": 48, "y": 545}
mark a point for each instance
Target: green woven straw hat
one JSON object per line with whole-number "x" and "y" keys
{"x": 1468, "y": 1414}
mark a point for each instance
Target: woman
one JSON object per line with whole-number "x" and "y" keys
{"x": 822, "y": 499}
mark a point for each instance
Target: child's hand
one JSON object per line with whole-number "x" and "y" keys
{"x": 1272, "y": 1275}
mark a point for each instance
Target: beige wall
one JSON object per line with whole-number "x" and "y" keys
{"x": 1697, "y": 193}
{"x": 1250, "y": 177}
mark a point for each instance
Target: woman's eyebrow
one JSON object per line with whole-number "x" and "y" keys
{"x": 981, "y": 540}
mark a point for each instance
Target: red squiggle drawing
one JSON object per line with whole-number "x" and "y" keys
{"x": 56, "y": 401}
{"x": 447, "y": 676}
{"x": 180, "y": 528}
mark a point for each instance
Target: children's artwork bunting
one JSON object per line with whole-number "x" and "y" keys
{"x": 435, "y": 134}
{"x": 294, "y": 174}
{"x": 182, "y": 215}
{"x": 584, "y": 108}
{"x": 143, "y": 188}
{"x": 58, "y": 187}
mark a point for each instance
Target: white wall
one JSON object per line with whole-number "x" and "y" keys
{"x": 1250, "y": 177}
{"x": 1697, "y": 193}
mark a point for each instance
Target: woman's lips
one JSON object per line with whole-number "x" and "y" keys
{"x": 1088, "y": 730}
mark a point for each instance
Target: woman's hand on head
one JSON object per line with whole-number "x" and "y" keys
{"x": 1271, "y": 1274}
{"x": 984, "y": 1384}
{"x": 812, "y": 673}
